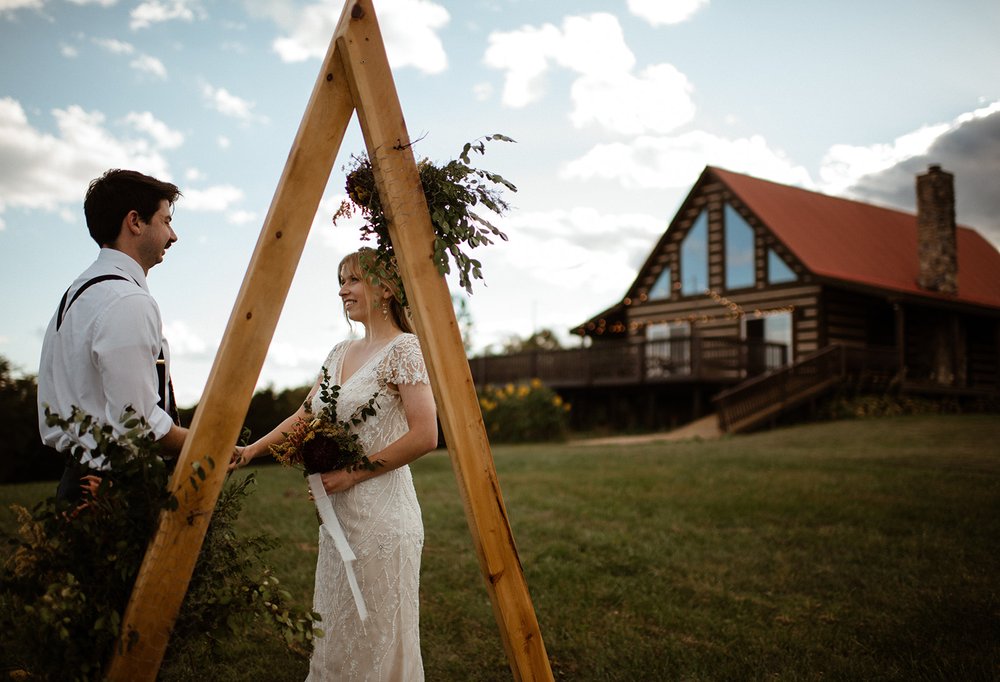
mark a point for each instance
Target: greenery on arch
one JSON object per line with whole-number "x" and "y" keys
{"x": 456, "y": 192}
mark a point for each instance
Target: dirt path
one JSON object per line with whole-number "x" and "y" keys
{"x": 706, "y": 428}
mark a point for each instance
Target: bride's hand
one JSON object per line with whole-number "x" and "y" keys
{"x": 239, "y": 458}
{"x": 338, "y": 481}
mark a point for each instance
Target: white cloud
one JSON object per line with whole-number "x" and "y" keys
{"x": 241, "y": 217}
{"x": 183, "y": 340}
{"x": 228, "y": 104}
{"x": 162, "y": 135}
{"x": 102, "y": 3}
{"x": 592, "y": 46}
{"x": 409, "y": 30}
{"x": 558, "y": 268}
{"x": 606, "y": 90}
{"x": 193, "y": 175}
{"x": 665, "y": 12}
{"x": 212, "y": 199}
{"x": 844, "y": 164}
{"x": 482, "y": 91}
{"x": 154, "y": 12}
{"x": 142, "y": 62}
{"x": 11, "y": 6}
{"x": 524, "y": 55}
{"x": 148, "y": 64}
{"x": 658, "y": 100}
{"x": 588, "y": 242}
{"x": 45, "y": 171}
{"x": 340, "y": 238}
{"x": 223, "y": 142}
{"x": 68, "y": 51}
{"x": 649, "y": 162}
{"x": 287, "y": 355}
{"x": 114, "y": 46}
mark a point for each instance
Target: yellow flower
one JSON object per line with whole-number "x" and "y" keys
{"x": 536, "y": 383}
{"x": 509, "y": 389}
{"x": 523, "y": 391}
{"x": 557, "y": 401}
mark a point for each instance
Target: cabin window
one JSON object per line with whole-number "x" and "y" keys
{"x": 777, "y": 269}
{"x": 694, "y": 257}
{"x": 661, "y": 288}
{"x": 739, "y": 251}
{"x": 778, "y": 329}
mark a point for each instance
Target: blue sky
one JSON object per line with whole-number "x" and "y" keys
{"x": 616, "y": 107}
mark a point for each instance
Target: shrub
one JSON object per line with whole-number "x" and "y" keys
{"x": 64, "y": 588}
{"x": 523, "y": 413}
{"x": 869, "y": 406}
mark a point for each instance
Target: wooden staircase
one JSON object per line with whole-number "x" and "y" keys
{"x": 763, "y": 398}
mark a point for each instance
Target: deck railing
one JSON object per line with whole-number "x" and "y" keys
{"x": 639, "y": 362}
{"x": 760, "y": 399}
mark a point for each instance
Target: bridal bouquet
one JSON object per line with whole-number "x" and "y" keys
{"x": 321, "y": 442}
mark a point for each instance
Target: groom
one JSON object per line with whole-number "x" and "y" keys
{"x": 104, "y": 348}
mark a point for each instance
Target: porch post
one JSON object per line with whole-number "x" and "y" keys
{"x": 900, "y": 339}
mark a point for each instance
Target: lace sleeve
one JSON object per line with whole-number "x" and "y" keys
{"x": 404, "y": 363}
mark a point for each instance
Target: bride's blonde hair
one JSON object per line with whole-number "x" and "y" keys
{"x": 360, "y": 264}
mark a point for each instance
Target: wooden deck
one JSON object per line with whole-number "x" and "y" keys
{"x": 864, "y": 369}
{"x": 689, "y": 360}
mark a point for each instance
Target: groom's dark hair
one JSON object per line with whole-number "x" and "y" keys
{"x": 111, "y": 196}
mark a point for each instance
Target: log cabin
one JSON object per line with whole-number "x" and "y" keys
{"x": 760, "y": 296}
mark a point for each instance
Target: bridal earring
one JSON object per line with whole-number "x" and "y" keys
{"x": 385, "y": 309}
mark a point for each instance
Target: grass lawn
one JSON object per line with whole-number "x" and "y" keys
{"x": 854, "y": 550}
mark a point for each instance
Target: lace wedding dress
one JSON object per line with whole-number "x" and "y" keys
{"x": 381, "y": 519}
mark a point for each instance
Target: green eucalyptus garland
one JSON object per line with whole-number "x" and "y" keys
{"x": 455, "y": 193}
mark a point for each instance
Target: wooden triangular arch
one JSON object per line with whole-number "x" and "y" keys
{"x": 355, "y": 76}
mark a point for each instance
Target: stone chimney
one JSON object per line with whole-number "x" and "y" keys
{"x": 936, "y": 245}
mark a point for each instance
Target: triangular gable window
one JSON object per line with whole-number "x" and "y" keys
{"x": 777, "y": 270}
{"x": 694, "y": 257}
{"x": 739, "y": 251}
{"x": 661, "y": 289}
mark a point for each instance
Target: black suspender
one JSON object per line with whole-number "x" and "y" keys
{"x": 63, "y": 308}
{"x": 165, "y": 386}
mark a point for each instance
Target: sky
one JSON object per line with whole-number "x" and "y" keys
{"x": 616, "y": 108}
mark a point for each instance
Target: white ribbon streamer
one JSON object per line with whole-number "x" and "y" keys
{"x": 333, "y": 529}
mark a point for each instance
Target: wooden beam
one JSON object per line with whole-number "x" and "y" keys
{"x": 166, "y": 570}
{"x": 412, "y": 234}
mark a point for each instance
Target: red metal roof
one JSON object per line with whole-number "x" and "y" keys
{"x": 847, "y": 240}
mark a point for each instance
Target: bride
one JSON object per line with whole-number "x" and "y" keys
{"x": 377, "y": 509}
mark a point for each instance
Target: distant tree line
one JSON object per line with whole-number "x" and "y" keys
{"x": 24, "y": 458}
{"x": 268, "y": 408}
{"x": 22, "y": 455}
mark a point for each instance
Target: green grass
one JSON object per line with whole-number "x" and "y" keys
{"x": 845, "y": 550}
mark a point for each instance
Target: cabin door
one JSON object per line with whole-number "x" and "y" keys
{"x": 756, "y": 351}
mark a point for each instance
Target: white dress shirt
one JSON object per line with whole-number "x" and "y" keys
{"x": 103, "y": 356}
